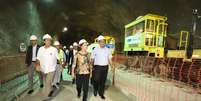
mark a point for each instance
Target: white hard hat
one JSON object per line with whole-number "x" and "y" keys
{"x": 71, "y": 46}
{"x": 56, "y": 43}
{"x": 33, "y": 37}
{"x": 64, "y": 47}
{"x": 47, "y": 36}
{"x": 75, "y": 44}
{"x": 100, "y": 38}
{"x": 82, "y": 41}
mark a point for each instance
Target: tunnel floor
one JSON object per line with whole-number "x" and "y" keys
{"x": 67, "y": 92}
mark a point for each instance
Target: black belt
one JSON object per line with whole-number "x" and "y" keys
{"x": 102, "y": 65}
{"x": 33, "y": 61}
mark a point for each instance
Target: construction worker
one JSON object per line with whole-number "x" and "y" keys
{"x": 30, "y": 62}
{"x": 64, "y": 47}
{"x": 70, "y": 59}
{"x": 66, "y": 51}
{"x": 82, "y": 68}
{"x": 75, "y": 48}
{"x": 60, "y": 64}
{"x": 46, "y": 63}
{"x": 101, "y": 58}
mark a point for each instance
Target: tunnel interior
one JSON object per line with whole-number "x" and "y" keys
{"x": 71, "y": 20}
{"x": 19, "y": 19}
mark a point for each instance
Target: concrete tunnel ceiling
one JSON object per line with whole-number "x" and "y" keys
{"x": 84, "y": 18}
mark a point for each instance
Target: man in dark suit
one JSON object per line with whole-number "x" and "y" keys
{"x": 70, "y": 59}
{"x": 31, "y": 62}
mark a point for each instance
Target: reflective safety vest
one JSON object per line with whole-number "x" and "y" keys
{"x": 61, "y": 56}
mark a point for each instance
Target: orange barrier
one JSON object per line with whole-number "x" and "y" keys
{"x": 183, "y": 74}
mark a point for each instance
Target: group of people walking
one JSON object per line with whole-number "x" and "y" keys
{"x": 48, "y": 62}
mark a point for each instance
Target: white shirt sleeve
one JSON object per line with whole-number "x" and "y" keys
{"x": 39, "y": 54}
{"x": 74, "y": 61}
{"x": 93, "y": 53}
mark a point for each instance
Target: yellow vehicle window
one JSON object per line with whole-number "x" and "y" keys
{"x": 150, "y": 25}
{"x": 150, "y": 39}
{"x": 128, "y": 31}
{"x": 138, "y": 28}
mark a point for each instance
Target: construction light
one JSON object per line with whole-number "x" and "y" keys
{"x": 65, "y": 29}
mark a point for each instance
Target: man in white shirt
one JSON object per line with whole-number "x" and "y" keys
{"x": 46, "y": 62}
{"x": 101, "y": 57}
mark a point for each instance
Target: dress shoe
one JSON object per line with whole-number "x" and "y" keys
{"x": 95, "y": 93}
{"x": 41, "y": 86}
{"x": 51, "y": 93}
{"x": 30, "y": 91}
{"x": 102, "y": 97}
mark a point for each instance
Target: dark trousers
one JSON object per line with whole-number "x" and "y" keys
{"x": 99, "y": 75}
{"x": 82, "y": 83}
{"x": 31, "y": 71}
{"x": 70, "y": 69}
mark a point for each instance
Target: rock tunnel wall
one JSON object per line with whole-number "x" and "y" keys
{"x": 18, "y": 20}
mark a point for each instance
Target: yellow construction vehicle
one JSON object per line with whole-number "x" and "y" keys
{"x": 182, "y": 49}
{"x": 146, "y": 36}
